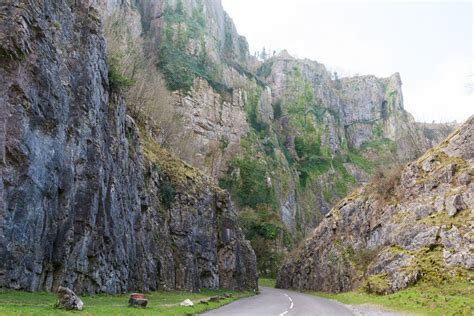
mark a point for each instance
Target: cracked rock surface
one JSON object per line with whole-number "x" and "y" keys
{"x": 81, "y": 206}
{"x": 390, "y": 242}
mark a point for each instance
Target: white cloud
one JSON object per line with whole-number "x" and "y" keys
{"x": 446, "y": 96}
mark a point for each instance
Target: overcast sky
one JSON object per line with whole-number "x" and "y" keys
{"x": 429, "y": 43}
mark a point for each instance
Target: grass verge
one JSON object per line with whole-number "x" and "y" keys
{"x": 159, "y": 303}
{"x": 456, "y": 298}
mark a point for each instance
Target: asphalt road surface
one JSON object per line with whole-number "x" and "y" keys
{"x": 275, "y": 302}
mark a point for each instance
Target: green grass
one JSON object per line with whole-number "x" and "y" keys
{"x": 360, "y": 161}
{"x": 456, "y": 298}
{"x": 267, "y": 282}
{"x": 41, "y": 303}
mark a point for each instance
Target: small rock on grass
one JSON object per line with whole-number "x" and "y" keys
{"x": 68, "y": 300}
{"x": 186, "y": 302}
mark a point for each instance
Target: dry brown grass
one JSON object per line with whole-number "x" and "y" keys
{"x": 385, "y": 180}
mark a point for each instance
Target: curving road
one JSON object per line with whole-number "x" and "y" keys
{"x": 275, "y": 302}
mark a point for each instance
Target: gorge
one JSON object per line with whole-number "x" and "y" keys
{"x": 143, "y": 148}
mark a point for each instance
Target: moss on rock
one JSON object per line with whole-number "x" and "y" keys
{"x": 378, "y": 284}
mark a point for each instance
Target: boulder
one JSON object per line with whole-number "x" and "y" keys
{"x": 137, "y": 300}
{"x": 464, "y": 179}
{"x": 454, "y": 204}
{"x": 68, "y": 300}
{"x": 187, "y": 302}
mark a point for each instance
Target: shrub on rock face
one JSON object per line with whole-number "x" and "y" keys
{"x": 117, "y": 81}
{"x": 385, "y": 181}
{"x": 378, "y": 284}
{"x": 68, "y": 300}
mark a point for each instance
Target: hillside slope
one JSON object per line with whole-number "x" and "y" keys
{"x": 413, "y": 225}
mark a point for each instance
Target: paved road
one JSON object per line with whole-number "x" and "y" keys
{"x": 275, "y": 302}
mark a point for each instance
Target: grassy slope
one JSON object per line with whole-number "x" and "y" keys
{"x": 40, "y": 303}
{"x": 450, "y": 299}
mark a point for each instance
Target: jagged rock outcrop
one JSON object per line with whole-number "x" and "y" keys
{"x": 415, "y": 224}
{"x": 86, "y": 201}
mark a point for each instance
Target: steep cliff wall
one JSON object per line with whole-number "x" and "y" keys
{"x": 285, "y": 137}
{"x": 81, "y": 206}
{"x": 337, "y": 132}
{"x": 414, "y": 225}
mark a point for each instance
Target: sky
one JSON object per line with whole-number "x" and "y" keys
{"x": 429, "y": 43}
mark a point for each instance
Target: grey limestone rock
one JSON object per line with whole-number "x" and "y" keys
{"x": 82, "y": 197}
{"x": 68, "y": 300}
{"x": 365, "y": 237}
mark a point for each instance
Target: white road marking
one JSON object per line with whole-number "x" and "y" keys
{"x": 291, "y": 305}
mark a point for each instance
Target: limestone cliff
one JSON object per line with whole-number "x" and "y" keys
{"x": 283, "y": 135}
{"x": 338, "y": 129}
{"x": 88, "y": 199}
{"x": 409, "y": 226}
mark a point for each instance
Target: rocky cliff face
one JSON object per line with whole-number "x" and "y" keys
{"x": 282, "y": 135}
{"x": 86, "y": 200}
{"x": 349, "y": 127}
{"x": 413, "y": 225}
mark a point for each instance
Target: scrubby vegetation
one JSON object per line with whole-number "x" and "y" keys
{"x": 117, "y": 81}
{"x": 183, "y": 54}
{"x": 263, "y": 227}
{"x": 247, "y": 177}
{"x": 377, "y": 284}
{"x": 167, "y": 193}
{"x": 251, "y": 110}
{"x": 133, "y": 72}
{"x": 307, "y": 115}
{"x": 385, "y": 181}
{"x": 180, "y": 66}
